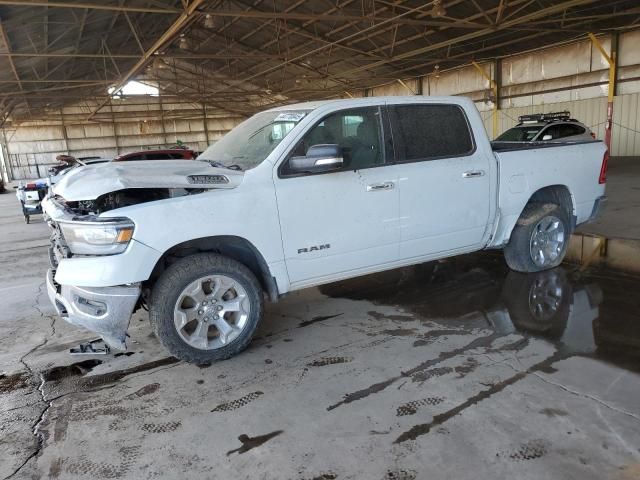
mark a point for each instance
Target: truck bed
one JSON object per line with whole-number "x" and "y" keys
{"x": 526, "y": 168}
{"x": 516, "y": 146}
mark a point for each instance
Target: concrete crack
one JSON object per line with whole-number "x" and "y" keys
{"x": 590, "y": 397}
{"x": 36, "y": 425}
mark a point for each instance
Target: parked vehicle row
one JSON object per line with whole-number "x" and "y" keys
{"x": 304, "y": 195}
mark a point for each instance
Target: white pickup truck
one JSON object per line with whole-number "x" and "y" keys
{"x": 303, "y": 195}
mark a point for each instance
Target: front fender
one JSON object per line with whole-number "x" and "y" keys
{"x": 134, "y": 265}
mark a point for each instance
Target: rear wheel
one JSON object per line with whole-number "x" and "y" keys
{"x": 206, "y": 307}
{"x": 540, "y": 239}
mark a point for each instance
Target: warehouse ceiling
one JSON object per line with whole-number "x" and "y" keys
{"x": 239, "y": 56}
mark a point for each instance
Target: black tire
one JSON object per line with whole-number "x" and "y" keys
{"x": 539, "y": 303}
{"x": 517, "y": 252}
{"x": 171, "y": 283}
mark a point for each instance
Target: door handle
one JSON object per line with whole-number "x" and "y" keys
{"x": 473, "y": 174}
{"x": 374, "y": 187}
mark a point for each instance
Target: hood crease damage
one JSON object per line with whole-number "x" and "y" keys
{"x": 104, "y": 187}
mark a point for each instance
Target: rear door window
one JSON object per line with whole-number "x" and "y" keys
{"x": 158, "y": 156}
{"x": 520, "y": 134}
{"x": 575, "y": 130}
{"x": 427, "y": 132}
{"x": 563, "y": 131}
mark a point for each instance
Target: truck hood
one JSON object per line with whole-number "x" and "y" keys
{"x": 92, "y": 181}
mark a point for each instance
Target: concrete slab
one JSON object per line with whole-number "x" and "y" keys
{"x": 454, "y": 369}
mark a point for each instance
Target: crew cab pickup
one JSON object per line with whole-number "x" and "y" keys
{"x": 299, "y": 196}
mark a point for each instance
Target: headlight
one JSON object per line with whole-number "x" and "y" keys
{"x": 97, "y": 238}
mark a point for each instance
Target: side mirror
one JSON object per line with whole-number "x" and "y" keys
{"x": 547, "y": 137}
{"x": 319, "y": 158}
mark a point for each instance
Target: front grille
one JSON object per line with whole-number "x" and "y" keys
{"x": 58, "y": 249}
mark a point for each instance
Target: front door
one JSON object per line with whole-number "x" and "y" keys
{"x": 444, "y": 181}
{"x": 339, "y": 223}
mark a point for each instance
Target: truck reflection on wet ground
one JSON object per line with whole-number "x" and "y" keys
{"x": 591, "y": 314}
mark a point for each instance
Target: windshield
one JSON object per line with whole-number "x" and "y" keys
{"x": 520, "y": 134}
{"x": 247, "y": 145}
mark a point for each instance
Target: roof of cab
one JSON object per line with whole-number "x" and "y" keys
{"x": 312, "y": 105}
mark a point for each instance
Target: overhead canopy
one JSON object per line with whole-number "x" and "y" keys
{"x": 239, "y": 56}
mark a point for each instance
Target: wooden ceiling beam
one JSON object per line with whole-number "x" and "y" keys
{"x": 91, "y": 6}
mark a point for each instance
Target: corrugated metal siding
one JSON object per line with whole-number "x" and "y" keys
{"x": 396, "y": 88}
{"x": 32, "y": 147}
{"x": 625, "y": 139}
{"x": 591, "y": 112}
{"x": 626, "y": 125}
{"x": 554, "y": 79}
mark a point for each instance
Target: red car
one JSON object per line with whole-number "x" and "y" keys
{"x": 169, "y": 154}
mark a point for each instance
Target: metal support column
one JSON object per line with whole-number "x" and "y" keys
{"x": 204, "y": 121}
{"x": 612, "y": 61}
{"x": 494, "y": 88}
{"x": 115, "y": 127}
{"x": 497, "y": 74}
{"x": 64, "y": 132}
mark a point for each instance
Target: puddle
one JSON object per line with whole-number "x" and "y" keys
{"x": 77, "y": 369}
{"x": 317, "y": 319}
{"x": 592, "y": 314}
{"x": 74, "y": 378}
{"x": 123, "y": 354}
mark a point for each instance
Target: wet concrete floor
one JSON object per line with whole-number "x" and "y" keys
{"x": 454, "y": 369}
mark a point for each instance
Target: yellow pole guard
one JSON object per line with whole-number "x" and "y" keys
{"x": 611, "y": 60}
{"x": 494, "y": 88}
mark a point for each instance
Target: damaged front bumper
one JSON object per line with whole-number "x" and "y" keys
{"x": 104, "y": 310}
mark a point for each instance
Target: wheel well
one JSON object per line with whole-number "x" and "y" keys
{"x": 234, "y": 247}
{"x": 558, "y": 194}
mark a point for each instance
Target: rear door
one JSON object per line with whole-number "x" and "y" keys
{"x": 444, "y": 180}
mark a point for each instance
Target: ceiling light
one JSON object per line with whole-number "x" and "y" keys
{"x": 438, "y": 9}
{"x": 436, "y": 71}
{"x": 184, "y": 43}
{"x": 209, "y": 21}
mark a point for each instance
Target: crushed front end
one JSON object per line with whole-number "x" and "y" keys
{"x": 83, "y": 246}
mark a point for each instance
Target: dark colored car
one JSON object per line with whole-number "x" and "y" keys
{"x": 169, "y": 154}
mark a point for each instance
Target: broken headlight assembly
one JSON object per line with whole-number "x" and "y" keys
{"x": 97, "y": 238}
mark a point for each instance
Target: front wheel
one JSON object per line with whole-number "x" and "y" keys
{"x": 540, "y": 239}
{"x": 206, "y": 307}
